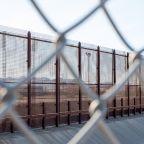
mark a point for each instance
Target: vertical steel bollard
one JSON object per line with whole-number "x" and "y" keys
{"x": 134, "y": 106}
{"x": 44, "y": 115}
{"x": 140, "y": 109}
{"x": 80, "y": 94}
{"x": 69, "y": 110}
{"x": 98, "y": 70}
{"x": 107, "y": 114}
{"x": 114, "y": 79}
{"x": 29, "y": 71}
{"x": 57, "y": 90}
{"x": 128, "y": 90}
{"x": 122, "y": 111}
{"x": 11, "y": 128}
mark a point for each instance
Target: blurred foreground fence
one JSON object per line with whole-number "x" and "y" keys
{"x": 53, "y": 96}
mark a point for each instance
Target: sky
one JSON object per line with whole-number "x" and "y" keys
{"x": 128, "y": 15}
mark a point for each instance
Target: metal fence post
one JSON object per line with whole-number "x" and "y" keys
{"x": 11, "y": 128}
{"x": 69, "y": 111}
{"x": 57, "y": 90}
{"x": 140, "y": 110}
{"x": 134, "y": 106}
{"x": 98, "y": 70}
{"x": 128, "y": 89}
{"x": 44, "y": 115}
{"x": 114, "y": 79}
{"x": 29, "y": 71}
{"x": 122, "y": 110}
{"x": 107, "y": 114}
{"x": 80, "y": 95}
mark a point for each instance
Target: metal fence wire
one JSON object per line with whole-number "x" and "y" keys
{"x": 97, "y": 107}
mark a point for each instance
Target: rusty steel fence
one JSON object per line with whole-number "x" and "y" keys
{"x": 53, "y": 96}
{"x": 51, "y": 83}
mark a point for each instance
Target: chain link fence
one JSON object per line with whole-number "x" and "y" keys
{"x": 98, "y": 106}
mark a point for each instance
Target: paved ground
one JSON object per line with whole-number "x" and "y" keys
{"x": 128, "y": 131}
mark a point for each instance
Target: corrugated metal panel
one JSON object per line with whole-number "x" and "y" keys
{"x": 128, "y": 131}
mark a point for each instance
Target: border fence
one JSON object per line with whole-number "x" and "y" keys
{"x": 98, "y": 106}
{"x": 53, "y": 96}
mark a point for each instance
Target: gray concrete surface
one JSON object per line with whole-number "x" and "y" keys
{"x": 127, "y": 130}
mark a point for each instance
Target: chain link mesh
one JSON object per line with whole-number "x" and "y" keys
{"x": 98, "y": 106}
